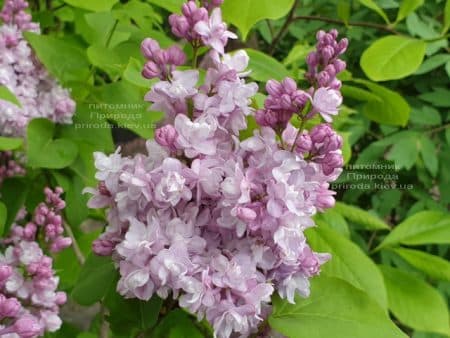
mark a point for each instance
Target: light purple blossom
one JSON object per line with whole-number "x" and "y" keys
{"x": 214, "y": 32}
{"x": 211, "y": 220}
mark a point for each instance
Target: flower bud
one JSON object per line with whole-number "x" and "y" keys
{"x": 27, "y": 327}
{"x": 166, "y": 136}
{"x": 175, "y": 56}
{"x": 9, "y": 307}
{"x": 5, "y": 272}
{"x": 149, "y": 47}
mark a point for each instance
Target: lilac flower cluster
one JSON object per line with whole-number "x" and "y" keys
{"x": 29, "y": 299}
{"x": 216, "y": 222}
{"x": 9, "y": 166}
{"x": 38, "y": 93}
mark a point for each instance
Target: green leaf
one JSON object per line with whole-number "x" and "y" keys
{"x": 426, "y": 227}
{"x": 405, "y": 152}
{"x": 13, "y": 192}
{"x": 391, "y": 109}
{"x": 128, "y": 315}
{"x": 446, "y": 17}
{"x": 105, "y": 59}
{"x": 177, "y": 324}
{"x": 45, "y": 152}
{"x": 297, "y": 53}
{"x": 172, "y": 6}
{"x": 361, "y": 217}
{"x": 334, "y": 220}
{"x": 392, "y": 57}
{"x": 414, "y": 302}
{"x": 439, "y": 97}
{"x": 10, "y": 143}
{"x": 7, "y": 95}
{"x": 264, "y": 67}
{"x": 373, "y": 6}
{"x": 245, "y": 14}
{"x": 407, "y": 7}
{"x": 3, "y": 216}
{"x": 63, "y": 59}
{"x": 429, "y": 155}
{"x": 434, "y": 266}
{"x": 348, "y": 262}
{"x": 359, "y": 94}
{"x": 96, "y": 29}
{"x": 95, "y": 6}
{"x": 343, "y": 10}
{"x": 335, "y": 309}
{"x": 425, "y": 116}
{"x": 96, "y": 278}
{"x": 123, "y": 103}
{"x": 432, "y": 63}
{"x": 346, "y": 147}
{"x": 132, "y": 74}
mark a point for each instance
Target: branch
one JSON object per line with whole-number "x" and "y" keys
{"x": 341, "y": 22}
{"x": 75, "y": 246}
{"x": 284, "y": 28}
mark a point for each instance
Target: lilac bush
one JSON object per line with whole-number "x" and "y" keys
{"x": 38, "y": 93}
{"x": 206, "y": 218}
{"x": 29, "y": 296}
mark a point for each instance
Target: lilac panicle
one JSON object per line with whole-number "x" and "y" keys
{"x": 29, "y": 296}
{"x": 38, "y": 93}
{"x": 212, "y": 221}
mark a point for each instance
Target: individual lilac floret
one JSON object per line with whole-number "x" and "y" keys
{"x": 326, "y": 102}
{"x": 214, "y": 32}
{"x": 211, "y": 4}
{"x": 39, "y": 95}
{"x": 160, "y": 62}
{"x": 324, "y": 63}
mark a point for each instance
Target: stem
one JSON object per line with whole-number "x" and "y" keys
{"x": 438, "y": 38}
{"x": 435, "y": 130}
{"x": 371, "y": 241}
{"x": 104, "y": 328}
{"x": 194, "y": 56}
{"x": 111, "y": 33}
{"x": 75, "y": 246}
{"x": 284, "y": 28}
{"x": 341, "y": 22}
{"x": 300, "y": 129}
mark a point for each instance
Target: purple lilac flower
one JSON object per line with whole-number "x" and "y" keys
{"x": 38, "y": 93}
{"x": 29, "y": 298}
{"x": 213, "y": 221}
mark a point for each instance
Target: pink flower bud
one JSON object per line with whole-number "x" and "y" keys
{"x": 175, "y": 56}
{"x": 103, "y": 247}
{"x": 60, "y": 244}
{"x": 246, "y": 214}
{"x": 149, "y": 47}
{"x": 61, "y": 298}
{"x": 151, "y": 70}
{"x": 5, "y": 272}
{"x": 274, "y": 88}
{"x": 27, "y": 327}
{"x": 9, "y": 307}
{"x": 289, "y": 85}
{"x": 166, "y": 136}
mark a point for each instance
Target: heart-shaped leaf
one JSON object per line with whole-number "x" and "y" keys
{"x": 45, "y": 152}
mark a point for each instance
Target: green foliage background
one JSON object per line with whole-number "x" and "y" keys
{"x": 389, "y": 234}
